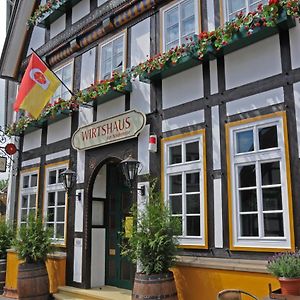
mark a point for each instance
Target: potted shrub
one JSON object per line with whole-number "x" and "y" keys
{"x": 151, "y": 244}
{"x": 32, "y": 244}
{"x": 6, "y": 239}
{"x": 286, "y": 267}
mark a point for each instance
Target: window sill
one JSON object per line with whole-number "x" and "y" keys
{"x": 243, "y": 265}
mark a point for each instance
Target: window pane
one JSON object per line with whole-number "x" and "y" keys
{"x": 187, "y": 9}
{"x": 107, "y": 52}
{"x": 268, "y": 137}
{"x": 188, "y": 27}
{"x": 67, "y": 72}
{"x": 249, "y": 225}
{"x": 51, "y": 228}
{"x": 26, "y": 181}
{"x": 235, "y": 5}
{"x": 247, "y": 176}
{"x": 192, "y": 151}
{"x": 176, "y": 204}
{"x": 60, "y": 179}
{"x": 60, "y": 214}
{"x": 51, "y": 199}
{"x": 193, "y": 226}
{"x": 61, "y": 198}
{"x": 24, "y": 215}
{"x": 32, "y": 200}
{"x": 179, "y": 222}
{"x": 60, "y": 231}
{"x": 272, "y": 199}
{"x": 193, "y": 182}
{"x": 273, "y": 224}
{"x": 171, "y": 17}
{"x": 52, "y": 177}
{"x": 193, "y": 204}
{"x": 24, "y": 201}
{"x": 50, "y": 215}
{"x": 33, "y": 182}
{"x": 175, "y": 184}
{"x": 175, "y": 155}
{"x": 244, "y": 141}
{"x": 270, "y": 173}
{"x": 248, "y": 201}
{"x": 172, "y": 35}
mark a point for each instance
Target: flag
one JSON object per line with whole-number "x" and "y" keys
{"x": 37, "y": 87}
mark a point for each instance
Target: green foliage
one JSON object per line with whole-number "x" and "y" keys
{"x": 285, "y": 264}
{"x": 6, "y": 236}
{"x": 33, "y": 241}
{"x": 3, "y": 184}
{"x": 152, "y": 242}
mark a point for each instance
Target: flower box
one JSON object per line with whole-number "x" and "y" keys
{"x": 242, "y": 39}
{"x": 56, "y": 12}
{"x": 60, "y": 115}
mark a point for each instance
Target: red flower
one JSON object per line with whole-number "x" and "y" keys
{"x": 271, "y": 2}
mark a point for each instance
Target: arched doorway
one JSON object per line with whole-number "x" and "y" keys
{"x": 110, "y": 202}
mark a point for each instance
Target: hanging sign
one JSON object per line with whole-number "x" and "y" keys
{"x": 3, "y": 163}
{"x": 119, "y": 128}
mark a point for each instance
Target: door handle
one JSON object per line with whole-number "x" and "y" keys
{"x": 112, "y": 252}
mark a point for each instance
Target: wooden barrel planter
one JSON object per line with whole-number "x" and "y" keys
{"x": 33, "y": 282}
{"x": 2, "y": 274}
{"x": 157, "y": 286}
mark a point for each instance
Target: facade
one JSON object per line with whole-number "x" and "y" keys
{"x": 228, "y": 140}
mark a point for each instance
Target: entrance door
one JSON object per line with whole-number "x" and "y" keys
{"x": 119, "y": 271}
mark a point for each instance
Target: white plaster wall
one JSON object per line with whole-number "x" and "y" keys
{"x": 140, "y": 96}
{"x": 140, "y": 42}
{"x": 111, "y": 108}
{"x": 252, "y": 63}
{"x": 59, "y": 154}
{"x": 183, "y": 87}
{"x": 99, "y": 190}
{"x": 58, "y": 26}
{"x": 32, "y": 140}
{"x": 255, "y": 101}
{"x": 193, "y": 118}
{"x": 80, "y": 10}
{"x": 211, "y": 15}
{"x": 216, "y": 137}
{"x": 98, "y": 257}
{"x": 30, "y": 162}
{"x": 37, "y": 39}
{"x": 295, "y": 45}
{"x": 143, "y": 153}
{"x": 88, "y": 61}
{"x": 218, "y": 217}
{"x": 85, "y": 116}
{"x": 79, "y": 204}
{"x": 59, "y": 131}
{"x": 297, "y": 110}
{"x": 214, "y": 88}
{"x": 100, "y": 2}
{"x": 77, "y": 262}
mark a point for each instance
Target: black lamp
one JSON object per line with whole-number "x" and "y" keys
{"x": 67, "y": 178}
{"x": 130, "y": 168}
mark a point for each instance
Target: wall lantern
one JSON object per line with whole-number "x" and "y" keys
{"x": 130, "y": 168}
{"x": 68, "y": 177}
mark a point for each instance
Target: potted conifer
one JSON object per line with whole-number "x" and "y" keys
{"x": 32, "y": 244}
{"x": 152, "y": 245}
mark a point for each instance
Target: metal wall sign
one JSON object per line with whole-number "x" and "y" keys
{"x": 119, "y": 128}
{"x": 3, "y": 163}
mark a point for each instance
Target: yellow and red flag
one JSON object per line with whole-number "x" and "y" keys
{"x": 37, "y": 87}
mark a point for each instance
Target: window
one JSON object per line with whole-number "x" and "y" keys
{"x": 28, "y": 195}
{"x": 112, "y": 57}
{"x": 87, "y": 76}
{"x": 184, "y": 186}
{"x": 235, "y": 6}
{"x": 179, "y": 23}
{"x": 65, "y": 74}
{"x": 55, "y": 203}
{"x": 259, "y": 187}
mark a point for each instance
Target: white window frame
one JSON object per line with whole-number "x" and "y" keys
{"x": 71, "y": 62}
{"x": 247, "y": 7}
{"x": 28, "y": 191}
{"x": 257, "y": 157}
{"x": 170, "y": 7}
{"x": 109, "y": 41}
{"x": 57, "y": 187}
{"x": 185, "y": 168}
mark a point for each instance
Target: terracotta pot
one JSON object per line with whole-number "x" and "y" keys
{"x": 290, "y": 286}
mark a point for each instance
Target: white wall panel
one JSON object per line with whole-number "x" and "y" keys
{"x": 297, "y": 110}
{"x": 37, "y": 39}
{"x": 214, "y": 88}
{"x": 77, "y": 262}
{"x": 85, "y": 116}
{"x": 143, "y": 153}
{"x": 183, "y": 87}
{"x": 80, "y": 166}
{"x": 295, "y": 45}
{"x": 257, "y": 61}
{"x": 79, "y": 204}
{"x": 58, "y": 26}
{"x": 80, "y": 10}
{"x": 32, "y": 140}
{"x": 211, "y": 15}
{"x": 100, "y": 2}
{"x": 255, "y": 101}
{"x": 111, "y": 108}
{"x": 98, "y": 257}
{"x": 218, "y": 218}
{"x": 87, "y": 76}
{"x": 59, "y": 154}
{"x": 99, "y": 190}
{"x": 59, "y": 131}
{"x": 140, "y": 96}
{"x": 216, "y": 138}
{"x": 189, "y": 119}
{"x": 30, "y": 162}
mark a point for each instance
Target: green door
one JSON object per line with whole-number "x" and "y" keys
{"x": 119, "y": 271}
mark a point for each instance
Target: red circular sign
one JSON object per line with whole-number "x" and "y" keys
{"x": 10, "y": 149}
{"x": 40, "y": 77}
